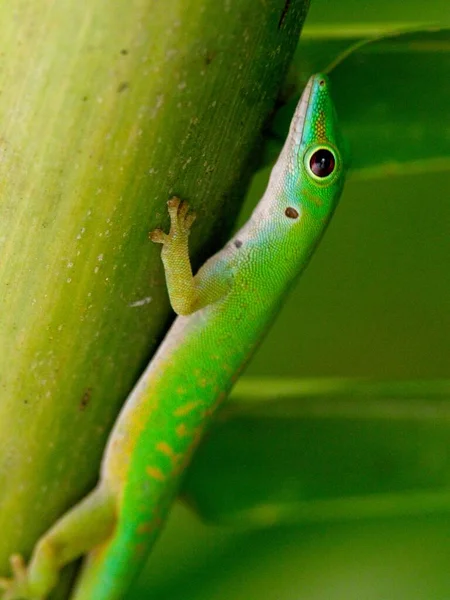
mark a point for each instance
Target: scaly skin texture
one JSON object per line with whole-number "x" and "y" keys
{"x": 224, "y": 312}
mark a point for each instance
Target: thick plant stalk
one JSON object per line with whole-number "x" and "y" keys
{"x": 108, "y": 109}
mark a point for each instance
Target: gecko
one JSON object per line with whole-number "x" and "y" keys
{"x": 223, "y": 313}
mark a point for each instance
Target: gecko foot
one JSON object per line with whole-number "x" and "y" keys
{"x": 16, "y": 588}
{"x": 180, "y": 222}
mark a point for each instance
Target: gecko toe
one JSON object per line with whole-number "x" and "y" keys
{"x": 173, "y": 206}
{"x": 183, "y": 210}
{"x": 189, "y": 219}
{"x": 158, "y": 236}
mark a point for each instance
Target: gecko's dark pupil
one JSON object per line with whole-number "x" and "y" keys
{"x": 322, "y": 163}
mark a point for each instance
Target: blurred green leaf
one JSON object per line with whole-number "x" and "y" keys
{"x": 354, "y": 13}
{"x": 390, "y": 559}
{"x": 286, "y": 450}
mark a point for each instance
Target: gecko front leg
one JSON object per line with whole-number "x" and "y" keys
{"x": 187, "y": 293}
{"x": 175, "y": 257}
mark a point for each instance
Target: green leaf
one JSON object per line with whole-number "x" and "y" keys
{"x": 289, "y": 450}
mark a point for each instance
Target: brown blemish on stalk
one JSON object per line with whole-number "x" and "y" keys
{"x": 85, "y": 398}
{"x": 123, "y": 85}
{"x": 209, "y": 57}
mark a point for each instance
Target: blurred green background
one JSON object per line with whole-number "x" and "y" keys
{"x": 374, "y": 303}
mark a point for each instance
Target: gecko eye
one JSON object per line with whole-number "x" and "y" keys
{"x": 322, "y": 163}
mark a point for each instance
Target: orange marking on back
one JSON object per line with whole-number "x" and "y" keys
{"x": 181, "y": 411}
{"x": 140, "y": 550}
{"x": 182, "y": 430}
{"x": 155, "y": 473}
{"x": 165, "y": 449}
{"x": 186, "y": 458}
{"x": 146, "y": 527}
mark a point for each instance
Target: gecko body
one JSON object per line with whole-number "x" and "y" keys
{"x": 224, "y": 312}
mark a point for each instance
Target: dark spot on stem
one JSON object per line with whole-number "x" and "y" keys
{"x": 291, "y": 213}
{"x": 209, "y": 57}
{"x": 237, "y": 243}
{"x": 124, "y": 51}
{"x": 85, "y": 398}
{"x": 287, "y": 4}
{"x": 124, "y": 85}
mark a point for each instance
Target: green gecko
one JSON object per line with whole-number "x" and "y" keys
{"x": 223, "y": 313}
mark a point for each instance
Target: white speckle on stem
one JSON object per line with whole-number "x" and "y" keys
{"x": 159, "y": 102}
{"x": 142, "y": 302}
{"x": 171, "y": 53}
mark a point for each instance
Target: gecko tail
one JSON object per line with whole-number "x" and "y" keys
{"x": 108, "y": 571}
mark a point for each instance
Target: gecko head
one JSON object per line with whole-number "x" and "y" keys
{"x": 315, "y": 169}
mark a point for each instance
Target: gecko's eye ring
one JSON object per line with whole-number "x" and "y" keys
{"x": 322, "y": 163}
